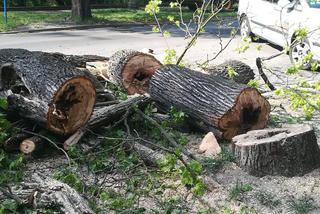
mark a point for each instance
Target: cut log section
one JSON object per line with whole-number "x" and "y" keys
{"x": 62, "y": 95}
{"x": 31, "y": 145}
{"x": 288, "y": 151}
{"x": 243, "y": 72}
{"x": 232, "y": 108}
{"x": 132, "y": 70}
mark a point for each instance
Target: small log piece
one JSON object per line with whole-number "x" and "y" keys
{"x": 288, "y": 151}
{"x": 217, "y": 102}
{"x": 132, "y": 70}
{"x": 12, "y": 144}
{"x": 244, "y": 72}
{"x": 32, "y": 145}
{"x": 62, "y": 96}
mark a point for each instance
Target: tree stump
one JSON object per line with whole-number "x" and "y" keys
{"x": 244, "y": 72}
{"x": 288, "y": 151}
{"x": 46, "y": 89}
{"x": 230, "y": 107}
{"x": 132, "y": 70}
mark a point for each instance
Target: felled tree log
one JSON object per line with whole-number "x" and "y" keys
{"x": 243, "y": 72}
{"x": 44, "y": 192}
{"x": 230, "y": 107}
{"x": 132, "y": 70}
{"x": 289, "y": 151}
{"x": 81, "y": 60}
{"x": 57, "y": 90}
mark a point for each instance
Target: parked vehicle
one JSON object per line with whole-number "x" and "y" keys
{"x": 277, "y": 22}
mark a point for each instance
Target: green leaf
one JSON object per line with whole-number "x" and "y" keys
{"x": 3, "y": 104}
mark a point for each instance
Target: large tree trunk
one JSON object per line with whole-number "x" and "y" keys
{"x": 132, "y": 70}
{"x": 46, "y": 89}
{"x": 243, "y": 72}
{"x": 232, "y": 108}
{"x": 289, "y": 151}
{"x": 81, "y": 10}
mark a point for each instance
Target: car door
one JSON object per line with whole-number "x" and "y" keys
{"x": 262, "y": 18}
{"x": 288, "y": 16}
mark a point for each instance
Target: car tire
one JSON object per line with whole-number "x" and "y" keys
{"x": 245, "y": 29}
{"x": 298, "y": 50}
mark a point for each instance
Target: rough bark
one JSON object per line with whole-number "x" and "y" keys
{"x": 132, "y": 70}
{"x": 81, "y": 60}
{"x": 55, "y": 90}
{"x": 289, "y": 151}
{"x": 81, "y": 10}
{"x": 45, "y": 192}
{"x": 244, "y": 72}
{"x": 230, "y": 107}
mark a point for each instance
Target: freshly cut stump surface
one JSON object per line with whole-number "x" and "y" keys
{"x": 289, "y": 151}
{"x": 231, "y": 107}
{"x": 132, "y": 70}
{"x": 47, "y": 89}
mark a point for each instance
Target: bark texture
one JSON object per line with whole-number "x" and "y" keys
{"x": 232, "y": 108}
{"x": 132, "y": 70}
{"x": 46, "y": 89}
{"x": 81, "y": 10}
{"x": 45, "y": 192}
{"x": 288, "y": 151}
{"x": 243, "y": 72}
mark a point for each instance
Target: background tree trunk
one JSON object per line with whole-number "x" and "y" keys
{"x": 81, "y": 10}
{"x": 133, "y": 4}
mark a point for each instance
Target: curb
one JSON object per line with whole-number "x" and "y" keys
{"x": 78, "y": 27}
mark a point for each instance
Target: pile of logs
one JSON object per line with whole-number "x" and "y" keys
{"x": 58, "y": 93}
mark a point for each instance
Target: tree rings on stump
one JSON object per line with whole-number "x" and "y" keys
{"x": 132, "y": 70}
{"x": 288, "y": 151}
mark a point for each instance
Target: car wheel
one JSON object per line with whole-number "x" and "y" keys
{"x": 245, "y": 30}
{"x": 297, "y": 53}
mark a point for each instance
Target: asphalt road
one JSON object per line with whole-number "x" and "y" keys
{"x": 105, "y": 41}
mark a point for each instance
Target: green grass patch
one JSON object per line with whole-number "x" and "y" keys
{"x": 21, "y": 18}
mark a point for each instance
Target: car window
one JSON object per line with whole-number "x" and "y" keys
{"x": 314, "y": 3}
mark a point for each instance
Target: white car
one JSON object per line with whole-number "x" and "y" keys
{"x": 277, "y": 21}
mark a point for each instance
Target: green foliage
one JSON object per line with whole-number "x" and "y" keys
{"x": 301, "y": 33}
{"x": 253, "y": 83}
{"x": 215, "y": 164}
{"x": 177, "y": 116}
{"x": 116, "y": 201}
{"x": 8, "y": 206}
{"x": 301, "y": 205}
{"x": 170, "y": 56}
{"x": 267, "y": 199}
{"x": 119, "y": 92}
{"x": 153, "y": 7}
{"x": 231, "y": 72}
{"x": 69, "y": 177}
{"x": 239, "y": 189}
{"x": 11, "y": 165}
